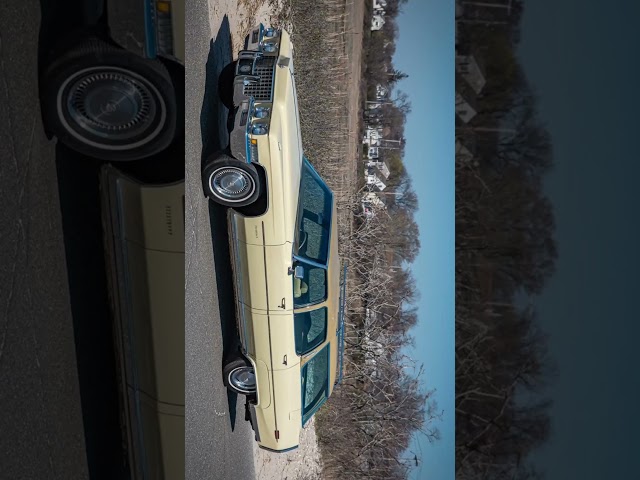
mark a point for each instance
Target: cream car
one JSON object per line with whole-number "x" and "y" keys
{"x": 284, "y": 244}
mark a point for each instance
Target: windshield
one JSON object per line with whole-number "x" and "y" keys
{"x": 310, "y": 329}
{"x": 314, "y": 217}
{"x": 315, "y": 383}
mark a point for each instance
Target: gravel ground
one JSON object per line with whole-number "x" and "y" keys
{"x": 304, "y": 463}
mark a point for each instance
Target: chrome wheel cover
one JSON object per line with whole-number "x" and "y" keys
{"x": 243, "y": 379}
{"x": 231, "y": 184}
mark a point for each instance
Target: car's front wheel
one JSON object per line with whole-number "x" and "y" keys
{"x": 109, "y": 103}
{"x": 240, "y": 377}
{"x": 230, "y": 182}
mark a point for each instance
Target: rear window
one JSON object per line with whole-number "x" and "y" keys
{"x": 315, "y": 383}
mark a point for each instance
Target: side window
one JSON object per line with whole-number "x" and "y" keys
{"x": 310, "y": 329}
{"x": 314, "y": 217}
{"x": 315, "y": 382}
{"x": 311, "y": 288}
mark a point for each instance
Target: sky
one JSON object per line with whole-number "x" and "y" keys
{"x": 425, "y": 51}
{"x": 581, "y": 59}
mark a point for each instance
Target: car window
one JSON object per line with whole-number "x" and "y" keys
{"x": 311, "y": 288}
{"x": 314, "y": 216}
{"x": 315, "y": 383}
{"x": 310, "y": 329}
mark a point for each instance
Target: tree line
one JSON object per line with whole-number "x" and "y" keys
{"x": 366, "y": 427}
{"x": 505, "y": 252}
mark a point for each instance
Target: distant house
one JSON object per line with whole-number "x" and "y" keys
{"x": 377, "y": 21}
{"x": 371, "y": 204}
{"x": 372, "y": 136}
{"x": 371, "y": 178}
{"x": 466, "y": 107}
{"x": 469, "y": 66}
{"x": 382, "y": 167}
{"x": 373, "y": 153}
{"x": 462, "y": 154}
{"x": 373, "y": 199}
{"x": 381, "y": 92}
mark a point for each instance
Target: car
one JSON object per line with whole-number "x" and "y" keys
{"x": 282, "y": 219}
{"x": 143, "y": 227}
{"x": 111, "y": 76}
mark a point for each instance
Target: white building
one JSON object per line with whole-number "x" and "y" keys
{"x": 463, "y": 154}
{"x": 372, "y": 136}
{"x": 465, "y": 101}
{"x": 372, "y": 178}
{"x": 373, "y": 153}
{"x": 381, "y": 92}
{"x": 373, "y": 199}
{"x": 381, "y": 166}
{"x": 377, "y": 21}
{"x": 371, "y": 204}
{"x": 464, "y": 110}
{"x": 471, "y": 70}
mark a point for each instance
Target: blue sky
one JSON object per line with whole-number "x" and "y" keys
{"x": 425, "y": 51}
{"x": 581, "y": 59}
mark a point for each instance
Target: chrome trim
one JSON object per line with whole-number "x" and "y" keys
{"x": 238, "y": 278}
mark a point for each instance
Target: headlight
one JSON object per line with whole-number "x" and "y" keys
{"x": 245, "y": 68}
{"x": 270, "y": 32}
{"x": 259, "y": 129}
{"x": 270, "y": 47}
{"x": 261, "y": 112}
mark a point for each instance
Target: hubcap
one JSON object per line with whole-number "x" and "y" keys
{"x": 243, "y": 379}
{"x": 232, "y": 184}
{"x": 111, "y": 107}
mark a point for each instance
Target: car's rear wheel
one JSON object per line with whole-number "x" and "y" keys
{"x": 230, "y": 182}
{"x": 239, "y": 376}
{"x": 109, "y": 103}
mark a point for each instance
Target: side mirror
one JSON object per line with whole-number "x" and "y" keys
{"x": 298, "y": 272}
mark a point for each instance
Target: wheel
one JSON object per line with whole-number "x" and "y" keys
{"x": 239, "y": 376}
{"x": 225, "y": 84}
{"x": 230, "y": 182}
{"x": 109, "y": 103}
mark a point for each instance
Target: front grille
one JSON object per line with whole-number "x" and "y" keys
{"x": 261, "y": 90}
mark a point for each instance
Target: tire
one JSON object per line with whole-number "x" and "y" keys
{"x": 225, "y": 84}
{"x": 237, "y": 370}
{"x": 222, "y": 170}
{"x": 109, "y": 103}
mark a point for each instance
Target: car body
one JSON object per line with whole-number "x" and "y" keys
{"x": 144, "y": 247}
{"x": 285, "y": 262}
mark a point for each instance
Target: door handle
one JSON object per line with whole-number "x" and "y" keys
{"x": 282, "y": 305}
